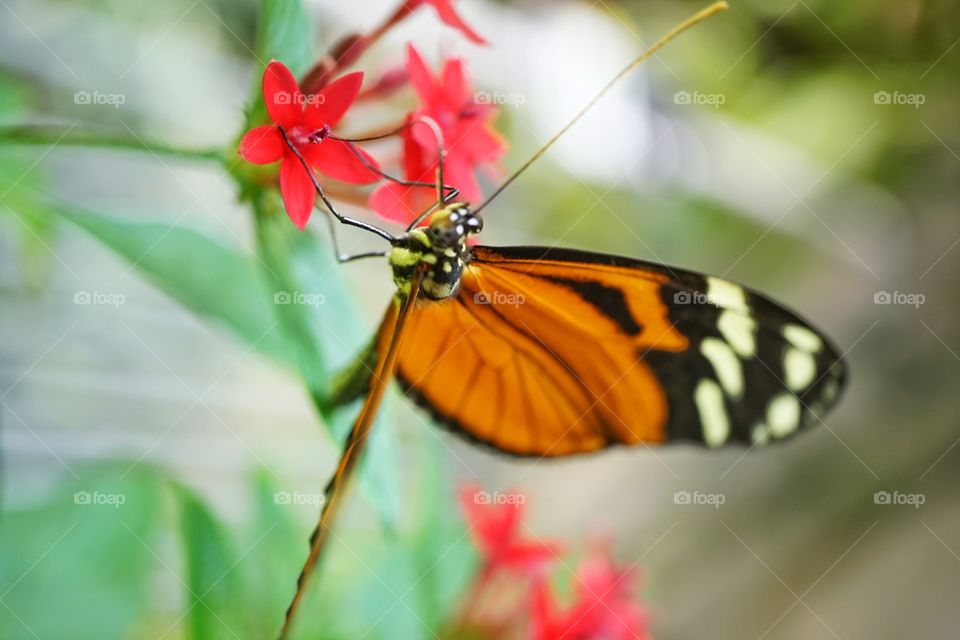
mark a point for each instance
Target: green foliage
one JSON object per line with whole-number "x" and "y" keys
{"x": 276, "y": 548}
{"x": 283, "y": 33}
{"x": 87, "y": 561}
{"x": 81, "y": 565}
{"x": 210, "y": 560}
{"x": 205, "y": 276}
{"x": 325, "y": 331}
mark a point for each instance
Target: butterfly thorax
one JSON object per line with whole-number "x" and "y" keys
{"x": 441, "y": 245}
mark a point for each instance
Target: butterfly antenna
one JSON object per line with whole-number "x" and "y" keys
{"x": 693, "y": 20}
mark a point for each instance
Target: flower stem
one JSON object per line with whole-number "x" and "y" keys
{"x": 74, "y": 137}
{"x": 349, "y": 50}
{"x": 395, "y": 18}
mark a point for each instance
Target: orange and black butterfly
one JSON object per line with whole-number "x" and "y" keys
{"x": 546, "y": 352}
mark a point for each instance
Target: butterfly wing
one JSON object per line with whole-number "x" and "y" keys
{"x": 551, "y": 352}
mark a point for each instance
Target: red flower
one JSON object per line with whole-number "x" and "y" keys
{"x": 603, "y": 606}
{"x": 496, "y": 531}
{"x": 308, "y": 121}
{"x": 468, "y": 138}
{"x": 449, "y": 16}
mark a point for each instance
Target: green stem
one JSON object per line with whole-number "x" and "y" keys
{"x": 94, "y": 138}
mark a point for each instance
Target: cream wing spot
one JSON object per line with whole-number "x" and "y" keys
{"x": 739, "y": 331}
{"x": 799, "y": 368}
{"x": 713, "y": 413}
{"x": 726, "y": 295}
{"x": 783, "y": 415}
{"x": 802, "y": 338}
{"x": 726, "y": 365}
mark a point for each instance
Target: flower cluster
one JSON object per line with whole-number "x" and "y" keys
{"x": 305, "y": 130}
{"x": 602, "y": 605}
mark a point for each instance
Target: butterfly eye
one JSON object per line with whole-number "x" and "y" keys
{"x": 475, "y": 224}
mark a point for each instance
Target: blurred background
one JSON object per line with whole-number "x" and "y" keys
{"x": 808, "y": 149}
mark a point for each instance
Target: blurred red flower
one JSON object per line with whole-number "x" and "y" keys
{"x": 468, "y": 138}
{"x": 308, "y": 120}
{"x": 495, "y": 529}
{"x": 603, "y": 608}
{"x": 448, "y": 14}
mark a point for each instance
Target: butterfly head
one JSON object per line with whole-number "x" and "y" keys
{"x": 440, "y": 247}
{"x": 450, "y": 226}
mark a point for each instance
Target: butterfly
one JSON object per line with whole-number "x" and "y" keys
{"x": 546, "y": 352}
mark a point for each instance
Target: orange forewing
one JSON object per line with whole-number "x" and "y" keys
{"x": 524, "y": 363}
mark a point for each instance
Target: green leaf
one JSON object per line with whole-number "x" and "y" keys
{"x": 321, "y": 317}
{"x": 98, "y": 137}
{"x": 284, "y": 33}
{"x": 442, "y": 552}
{"x": 294, "y": 301}
{"x": 230, "y": 288}
{"x": 277, "y": 549}
{"x": 81, "y": 563}
{"x": 207, "y": 277}
{"x": 211, "y": 588}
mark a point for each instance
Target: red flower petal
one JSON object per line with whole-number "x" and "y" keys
{"x": 496, "y": 531}
{"x": 297, "y": 190}
{"x": 455, "y": 87}
{"x": 414, "y": 162}
{"x": 330, "y": 103}
{"x": 262, "y": 145}
{"x": 459, "y": 173}
{"x": 485, "y": 144}
{"x": 420, "y": 76}
{"x": 335, "y": 159}
{"x": 281, "y": 94}
{"x": 450, "y": 17}
{"x": 531, "y": 558}
{"x": 398, "y": 203}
